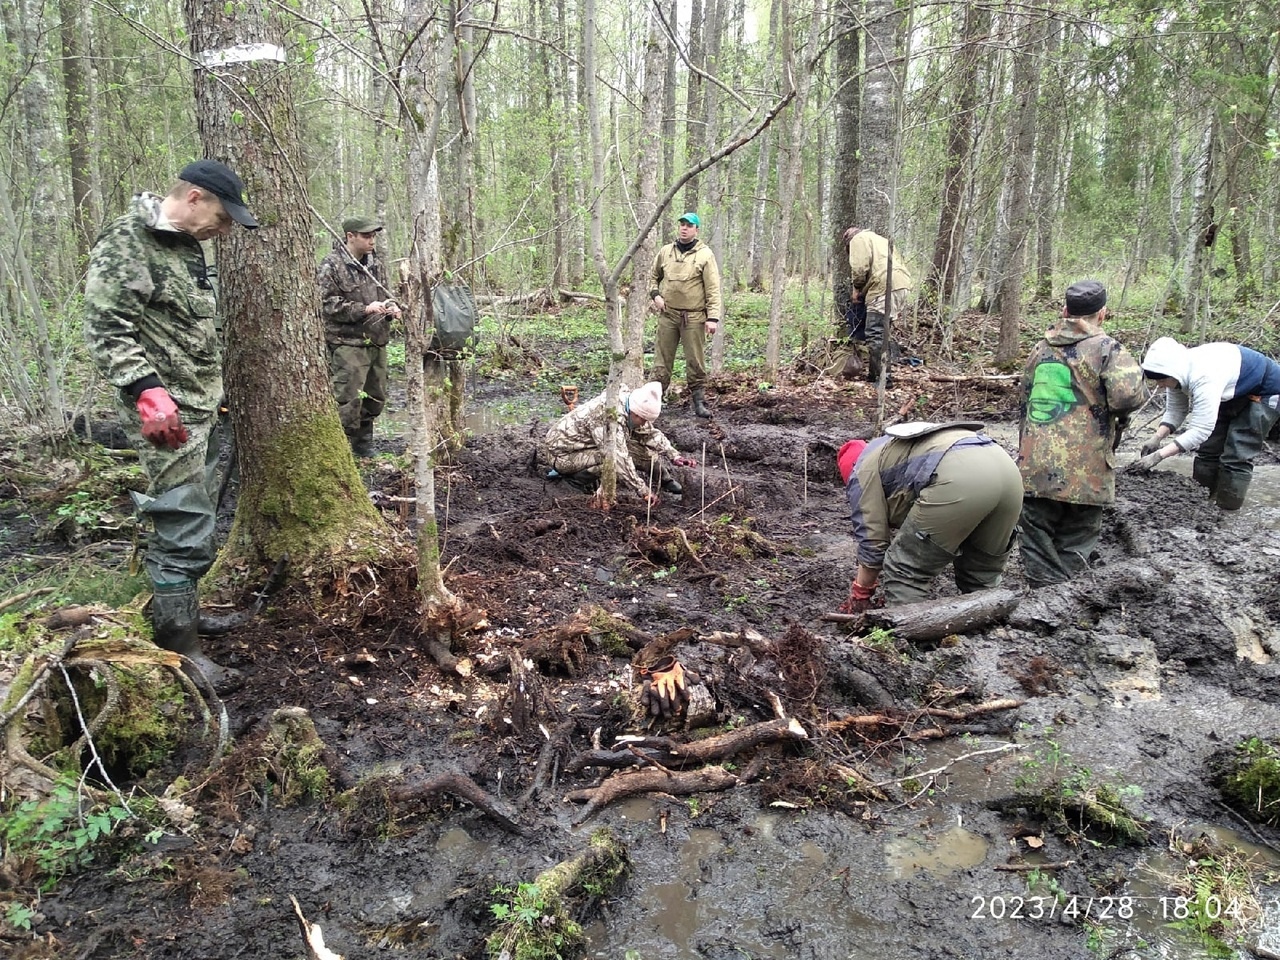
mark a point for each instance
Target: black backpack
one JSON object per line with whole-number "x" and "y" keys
{"x": 455, "y": 313}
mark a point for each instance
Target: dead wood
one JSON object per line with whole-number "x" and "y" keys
{"x": 935, "y": 619}
{"x": 550, "y": 747}
{"x": 461, "y": 786}
{"x": 909, "y": 717}
{"x": 668, "y": 753}
{"x": 678, "y": 783}
{"x": 1028, "y": 867}
{"x": 312, "y": 935}
{"x": 18, "y": 598}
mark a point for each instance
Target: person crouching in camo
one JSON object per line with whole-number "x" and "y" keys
{"x": 574, "y": 448}
{"x": 686, "y": 293}
{"x": 954, "y": 496}
{"x": 357, "y": 317}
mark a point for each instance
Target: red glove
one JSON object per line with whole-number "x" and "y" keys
{"x": 859, "y": 599}
{"x": 160, "y": 421}
{"x": 685, "y": 462}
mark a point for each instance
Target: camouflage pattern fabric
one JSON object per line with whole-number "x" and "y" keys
{"x": 150, "y": 309}
{"x": 346, "y": 288}
{"x": 1056, "y": 539}
{"x": 1077, "y": 383}
{"x": 869, "y": 264}
{"x": 576, "y": 443}
{"x": 359, "y": 378}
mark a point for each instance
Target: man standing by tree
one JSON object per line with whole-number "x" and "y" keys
{"x": 1078, "y": 390}
{"x": 150, "y": 325}
{"x": 869, "y": 268}
{"x": 357, "y": 328}
{"x": 686, "y": 295}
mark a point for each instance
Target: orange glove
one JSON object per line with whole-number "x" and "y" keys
{"x": 665, "y": 693}
{"x": 161, "y": 424}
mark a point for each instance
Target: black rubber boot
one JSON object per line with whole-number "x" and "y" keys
{"x": 700, "y": 403}
{"x": 175, "y": 615}
{"x": 219, "y": 624}
{"x": 669, "y": 482}
{"x": 1231, "y": 489}
{"x": 978, "y": 570}
{"x": 362, "y": 442}
{"x": 1206, "y": 473}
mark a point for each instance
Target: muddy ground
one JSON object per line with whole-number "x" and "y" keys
{"x": 1141, "y": 675}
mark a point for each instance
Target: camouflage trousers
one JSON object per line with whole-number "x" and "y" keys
{"x": 1055, "y": 539}
{"x": 589, "y": 462}
{"x": 180, "y": 506}
{"x": 359, "y": 378}
{"x": 680, "y": 328}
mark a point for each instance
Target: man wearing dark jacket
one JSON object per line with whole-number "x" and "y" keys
{"x": 357, "y": 314}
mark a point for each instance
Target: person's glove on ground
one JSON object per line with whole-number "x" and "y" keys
{"x": 1146, "y": 464}
{"x": 1151, "y": 446}
{"x": 665, "y": 691}
{"x": 685, "y": 462}
{"x": 161, "y": 424}
{"x": 859, "y": 599}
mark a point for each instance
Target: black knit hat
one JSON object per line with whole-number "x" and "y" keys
{"x": 1086, "y": 298}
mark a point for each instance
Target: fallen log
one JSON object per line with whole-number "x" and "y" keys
{"x": 935, "y": 619}
{"x": 622, "y": 785}
{"x": 907, "y": 717}
{"x": 459, "y": 785}
{"x": 670, "y": 754}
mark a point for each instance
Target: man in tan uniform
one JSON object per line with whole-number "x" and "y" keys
{"x": 868, "y": 268}
{"x": 686, "y": 295}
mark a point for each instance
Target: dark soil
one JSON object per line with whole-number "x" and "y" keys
{"x": 1132, "y": 672}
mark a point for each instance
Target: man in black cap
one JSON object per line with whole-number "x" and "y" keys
{"x": 1078, "y": 390}
{"x": 150, "y": 325}
{"x": 357, "y": 314}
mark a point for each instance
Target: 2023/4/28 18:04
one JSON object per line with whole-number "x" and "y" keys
{"x": 1098, "y": 909}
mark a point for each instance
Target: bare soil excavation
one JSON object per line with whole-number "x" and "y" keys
{"x": 942, "y": 799}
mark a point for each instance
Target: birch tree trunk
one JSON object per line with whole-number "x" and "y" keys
{"x": 300, "y": 494}
{"x": 881, "y": 92}
{"x": 1201, "y": 232}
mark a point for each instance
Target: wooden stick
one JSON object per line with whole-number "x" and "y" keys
{"x": 1029, "y": 867}
{"x": 728, "y": 476}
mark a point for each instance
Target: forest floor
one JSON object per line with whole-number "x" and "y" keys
{"x": 909, "y": 822}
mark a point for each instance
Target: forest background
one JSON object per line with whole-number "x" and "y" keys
{"x": 1006, "y": 147}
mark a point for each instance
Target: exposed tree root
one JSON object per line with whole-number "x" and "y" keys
{"x": 900, "y": 720}
{"x": 623, "y": 785}
{"x": 461, "y": 786}
{"x": 550, "y": 749}
{"x": 668, "y": 753}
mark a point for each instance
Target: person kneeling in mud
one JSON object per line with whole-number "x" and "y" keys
{"x": 954, "y": 496}
{"x": 574, "y": 448}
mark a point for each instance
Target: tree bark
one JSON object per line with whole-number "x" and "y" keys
{"x": 847, "y": 103}
{"x": 935, "y": 619}
{"x": 882, "y": 92}
{"x": 300, "y": 493}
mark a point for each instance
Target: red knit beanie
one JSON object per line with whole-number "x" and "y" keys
{"x": 848, "y": 456}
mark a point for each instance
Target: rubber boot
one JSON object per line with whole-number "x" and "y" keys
{"x": 910, "y": 566}
{"x": 979, "y": 570}
{"x": 1231, "y": 489}
{"x": 219, "y": 624}
{"x": 175, "y": 615}
{"x": 700, "y": 403}
{"x": 669, "y": 482}
{"x": 362, "y": 441}
{"x": 1206, "y": 473}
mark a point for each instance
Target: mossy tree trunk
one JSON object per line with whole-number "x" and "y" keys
{"x": 300, "y": 492}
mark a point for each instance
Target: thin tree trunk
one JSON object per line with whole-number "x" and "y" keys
{"x": 1202, "y": 231}
{"x": 882, "y": 91}
{"x": 845, "y": 166}
{"x": 1048, "y": 154}
{"x": 1026, "y": 80}
{"x": 694, "y": 135}
{"x": 77, "y": 89}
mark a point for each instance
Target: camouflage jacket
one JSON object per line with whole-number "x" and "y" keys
{"x": 583, "y": 428}
{"x": 688, "y": 281}
{"x": 1078, "y": 384}
{"x": 887, "y": 481}
{"x": 869, "y": 263}
{"x": 346, "y": 288}
{"x": 149, "y": 309}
